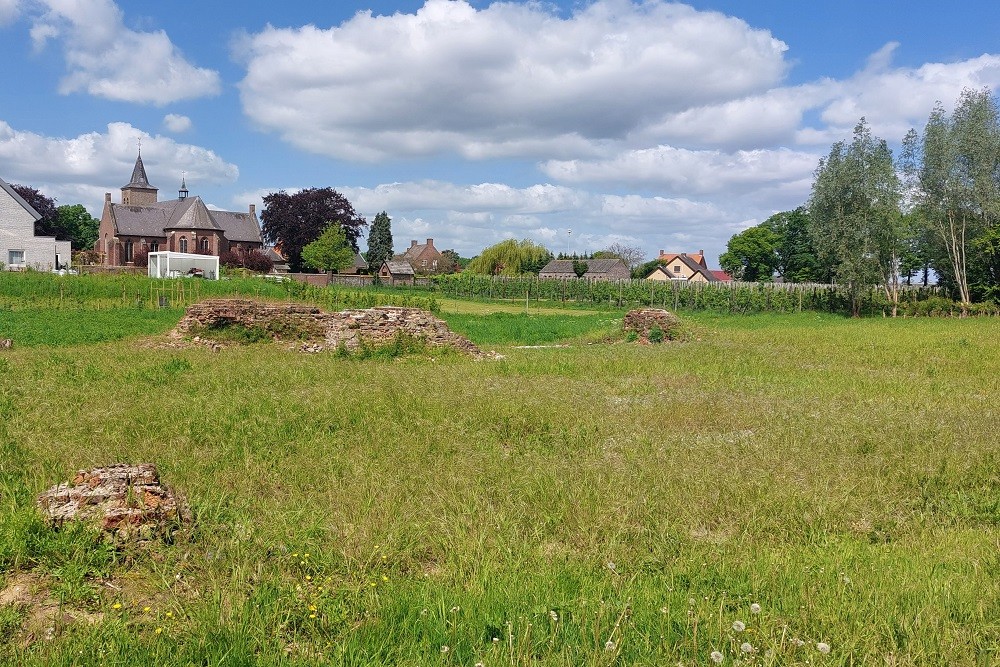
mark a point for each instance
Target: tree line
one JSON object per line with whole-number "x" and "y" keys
{"x": 876, "y": 220}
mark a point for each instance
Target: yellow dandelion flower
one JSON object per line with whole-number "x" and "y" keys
{"x": 295, "y": 555}
{"x": 169, "y": 614}
{"x": 312, "y": 615}
{"x": 146, "y": 609}
{"x": 385, "y": 578}
{"x": 159, "y": 631}
{"x": 117, "y": 605}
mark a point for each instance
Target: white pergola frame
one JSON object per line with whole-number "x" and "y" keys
{"x": 177, "y": 265}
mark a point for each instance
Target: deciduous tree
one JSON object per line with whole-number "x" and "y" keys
{"x": 751, "y": 255}
{"x": 47, "y": 225}
{"x": 294, "y": 221}
{"x": 330, "y": 252}
{"x": 855, "y": 217}
{"x": 511, "y": 258}
{"x": 75, "y": 224}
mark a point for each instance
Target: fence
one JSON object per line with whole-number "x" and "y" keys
{"x": 733, "y": 297}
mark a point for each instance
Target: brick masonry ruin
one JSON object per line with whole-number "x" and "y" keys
{"x": 314, "y": 330}
{"x": 125, "y": 501}
{"x": 641, "y": 321}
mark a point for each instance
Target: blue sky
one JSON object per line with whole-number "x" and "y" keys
{"x": 575, "y": 124}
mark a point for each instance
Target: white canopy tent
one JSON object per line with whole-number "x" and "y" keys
{"x": 182, "y": 264}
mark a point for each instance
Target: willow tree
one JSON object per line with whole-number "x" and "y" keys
{"x": 511, "y": 258}
{"x": 855, "y": 218}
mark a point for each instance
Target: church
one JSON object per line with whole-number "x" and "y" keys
{"x": 142, "y": 224}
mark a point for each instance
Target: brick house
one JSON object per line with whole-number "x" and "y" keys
{"x": 423, "y": 257}
{"x": 597, "y": 269}
{"x": 683, "y": 266}
{"x": 142, "y": 223}
{"x": 19, "y": 247}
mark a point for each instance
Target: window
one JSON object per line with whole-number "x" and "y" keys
{"x": 423, "y": 263}
{"x": 128, "y": 251}
{"x": 203, "y": 244}
{"x": 434, "y": 264}
{"x": 184, "y": 244}
{"x": 15, "y": 258}
{"x": 677, "y": 268}
{"x": 154, "y": 246}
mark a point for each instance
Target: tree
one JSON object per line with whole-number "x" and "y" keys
{"x": 294, "y": 221}
{"x": 511, "y": 258}
{"x": 75, "y": 224}
{"x": 855, "y": 218}
{"x": 46, "y": 207}
{"x": 631, "y": 255}
{"x": 797, "y": 261}
{"x": 379, "y": 241}
{"x": 450, "y": 261}
{"x": 953, "y": 184}
{"x": 580, "y": 268}
{"x": 751, "y": 255}
{"x": 643, "y": 270}
{"x": 330, "y": 252}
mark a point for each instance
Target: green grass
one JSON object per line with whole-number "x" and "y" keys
{"x": 585, "y": 505}
{"x": 55, "y": 327}
{"x": 503, "y": 328}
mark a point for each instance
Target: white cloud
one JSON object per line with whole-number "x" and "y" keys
{"x": 81, "y": 169}
{"x": 107, "y": 59}
{"x": 9, "y": 10}
{"x": 679, "y": 170}
{"x": 176, "y": 123}
{"x": 509, "y": 79}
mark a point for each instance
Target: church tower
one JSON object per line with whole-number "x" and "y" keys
{"x": 138, "y": 192}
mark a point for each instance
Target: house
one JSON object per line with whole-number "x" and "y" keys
{"x": 683, "y": 266}
{"x": 597, "y": 269}
{"x": 396, "y": 273}
{"x": 19, "y": 247}
{"x": 423, "y": 257}
{"x": 359, "y": 266}
{"x": 142, "y": 224}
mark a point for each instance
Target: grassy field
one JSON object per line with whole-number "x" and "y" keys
{"x": 825, "y": 484}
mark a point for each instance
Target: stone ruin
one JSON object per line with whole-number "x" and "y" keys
{"x": 642, "y": 320}
{"x": 315, "y": 330}
{"x": 125, "y": 501}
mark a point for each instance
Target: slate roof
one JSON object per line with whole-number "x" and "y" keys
{"x": 359, "y": 261}
{"x": 594, "y": 266}
{"x": 139, "y": 180}
{"x": 161, "y": 218}
{"x": 399, "y": 268}
{"x": 20, "y": 200}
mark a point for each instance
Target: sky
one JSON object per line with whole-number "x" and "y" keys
{"x": 575, "y": 124}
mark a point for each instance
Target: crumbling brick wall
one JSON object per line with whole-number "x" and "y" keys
{"x": 348, "y": 328}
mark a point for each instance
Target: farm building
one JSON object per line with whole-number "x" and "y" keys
{"x": 597, "y": 269}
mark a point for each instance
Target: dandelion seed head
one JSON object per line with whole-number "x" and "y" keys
{"x": 554, "y": 615}
{"x": 445, "y": 649}
{"x": 755, "y": 608}
{"x": 717, "y": 657}
{"x": 747, "y": 647}
{"x": 739, "y": 626}
{"x": 823, "y": 648}
{"x": 609, "y": 645}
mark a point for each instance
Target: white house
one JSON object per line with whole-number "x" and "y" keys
{"x": 19, "y": 247}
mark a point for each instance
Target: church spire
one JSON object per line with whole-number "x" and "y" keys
{"x": 139, "y": 191}
{"x": 183, "y": 192}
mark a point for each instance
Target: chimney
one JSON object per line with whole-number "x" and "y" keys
{"x": 701, "y": 252}
{"x": 253, "y": 210}
{"x": 413, "y": 243}
{"x": 430, "y": 243}
{"x": 662, "y": 253}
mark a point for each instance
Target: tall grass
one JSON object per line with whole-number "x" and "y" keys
{"x": 588, "y": 505}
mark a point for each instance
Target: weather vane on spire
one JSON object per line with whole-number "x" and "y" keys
{"x": 140, "y": 146}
